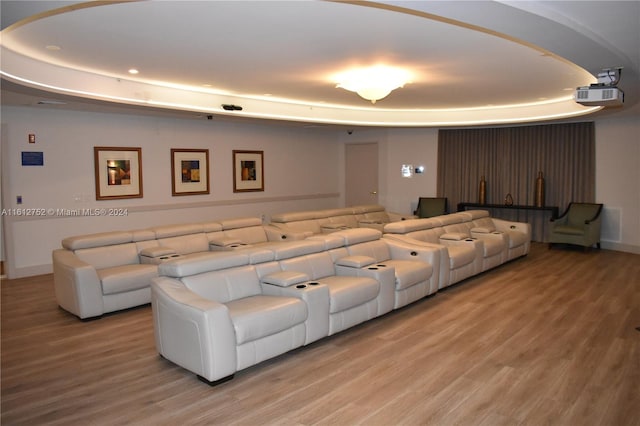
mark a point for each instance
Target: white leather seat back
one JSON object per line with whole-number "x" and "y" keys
{"x": 109, "y": 256}
{"x": 427, "y": 235}
{"x": 225, "y": 285}
{"x": 457, "y": 228}
{"x": 186, "y": 244}
{"x": 248, "y": 235}
{"x": 377, "y": 249}
{"x": 316, "y": 266}
{"x": 486, "y": 223}
{"x": 97, "y": 240}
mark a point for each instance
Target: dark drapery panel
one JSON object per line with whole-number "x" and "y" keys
{"x": 510, "y": 158}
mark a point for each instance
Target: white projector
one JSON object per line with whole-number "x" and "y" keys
{"x": 599, "y": 96}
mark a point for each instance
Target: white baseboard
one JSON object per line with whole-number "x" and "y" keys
{"x": 609, "y": 245}
{"x": 28, "y": 271}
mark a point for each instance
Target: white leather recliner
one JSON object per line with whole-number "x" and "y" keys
{"x": 212, "y": 317}
{"x": 416, "y": 268}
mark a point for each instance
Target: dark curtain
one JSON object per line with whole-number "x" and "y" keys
{"x": 510, "y": 159}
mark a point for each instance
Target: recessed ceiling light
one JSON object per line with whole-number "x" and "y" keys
{"x": 53, "y": 47}
{"x": 133, "y": 71}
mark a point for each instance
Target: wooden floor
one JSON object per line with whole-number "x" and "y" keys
{"x": 549, "y": 339}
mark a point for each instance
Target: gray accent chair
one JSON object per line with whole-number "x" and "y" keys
{"x": 430, "y": 207}
{"x": 578, "y": 225}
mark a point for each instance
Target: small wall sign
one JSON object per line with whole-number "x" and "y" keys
{"x": 32, "y": 158}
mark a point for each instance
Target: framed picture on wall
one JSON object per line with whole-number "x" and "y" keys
{"x": 118, "y": 172}
{"x": 189, "y": 171}
{"x": 248, "y": 172}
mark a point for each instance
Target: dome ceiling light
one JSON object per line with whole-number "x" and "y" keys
{"x": 373, "y": 83}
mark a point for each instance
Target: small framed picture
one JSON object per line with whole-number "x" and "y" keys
{"x": 189, "y": 171}
{"x": 248, "y": 172}
{"x": 118, "y": 172}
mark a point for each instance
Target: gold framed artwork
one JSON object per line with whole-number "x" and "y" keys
{"x": 248, "y": 171}
{"x": 189, "y": 171}
{"x": 118, "y": 172}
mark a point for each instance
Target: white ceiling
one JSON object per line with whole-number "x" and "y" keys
{"x": 474, "y": 62}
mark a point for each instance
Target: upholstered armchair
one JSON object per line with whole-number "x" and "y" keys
{"x": 431, "y": 206}
{"x": 578, "y": 225}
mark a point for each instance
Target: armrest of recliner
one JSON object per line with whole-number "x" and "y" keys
{"x": 313, "y": 293}
{"x": 366, "y": 266}
{"x": 507, "y": 226}
{"x": 191, "y": 331}
{"x": 440, "y": 268}
{"x": 285, "y": 278}
{"x": 76, "y": 284}
{"x": 405, "y": 251}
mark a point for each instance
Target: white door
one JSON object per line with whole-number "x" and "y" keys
{"x": 361, "y": 176}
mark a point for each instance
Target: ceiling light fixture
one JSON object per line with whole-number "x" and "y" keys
{"x": 373, "y": 83}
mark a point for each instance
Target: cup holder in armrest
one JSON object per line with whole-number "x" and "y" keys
{"x": 301, "y": 286}
{"x": 372, "y": 268}
{"x": 314, "y": 283}
{"x": 171, "y": 256}
{"x": 381, "y": 265}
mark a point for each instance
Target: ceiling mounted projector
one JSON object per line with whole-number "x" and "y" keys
{"x": 599, "y": 95}
{"x": 603, "y": 93}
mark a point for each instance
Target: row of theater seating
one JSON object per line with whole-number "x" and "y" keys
{"x": 105, "y": 272}
{"x": 217, "y": 313}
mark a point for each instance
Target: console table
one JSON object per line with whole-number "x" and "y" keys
{"x": 539, "y": 226}
{"x": 553, "y": 209}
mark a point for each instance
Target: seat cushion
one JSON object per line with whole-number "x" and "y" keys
{"x": 568, "y": 230}
{"x": 126, "y": 277}
{"x": 492, "y": 247}
{"x": 410, "y": 272}
{"x": 461, "y": 255}
{"x": 348, "y": 292}
{"x": 517, "y": 238}
{"x": 260, "y": 316}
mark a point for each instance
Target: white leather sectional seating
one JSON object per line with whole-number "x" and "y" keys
{"x": 229, "y": 294}
{"x": 218, "y": 313}
{"x": 470, "y": 242}
{"x": 106, "y": 272}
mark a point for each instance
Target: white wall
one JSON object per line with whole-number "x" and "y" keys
{"x": 618, "y": 181}
{"x": 397, "y": 147}
{"x": 417, "y": 147}
{"x": 302, "y": 171}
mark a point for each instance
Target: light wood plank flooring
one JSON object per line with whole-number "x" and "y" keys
{"x": 549, "y": 339}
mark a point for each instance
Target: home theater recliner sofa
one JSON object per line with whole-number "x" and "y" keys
{"x": 215, "y": 314}
{"x": 229, "y": 294}
{"x": 100, "y": 273}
